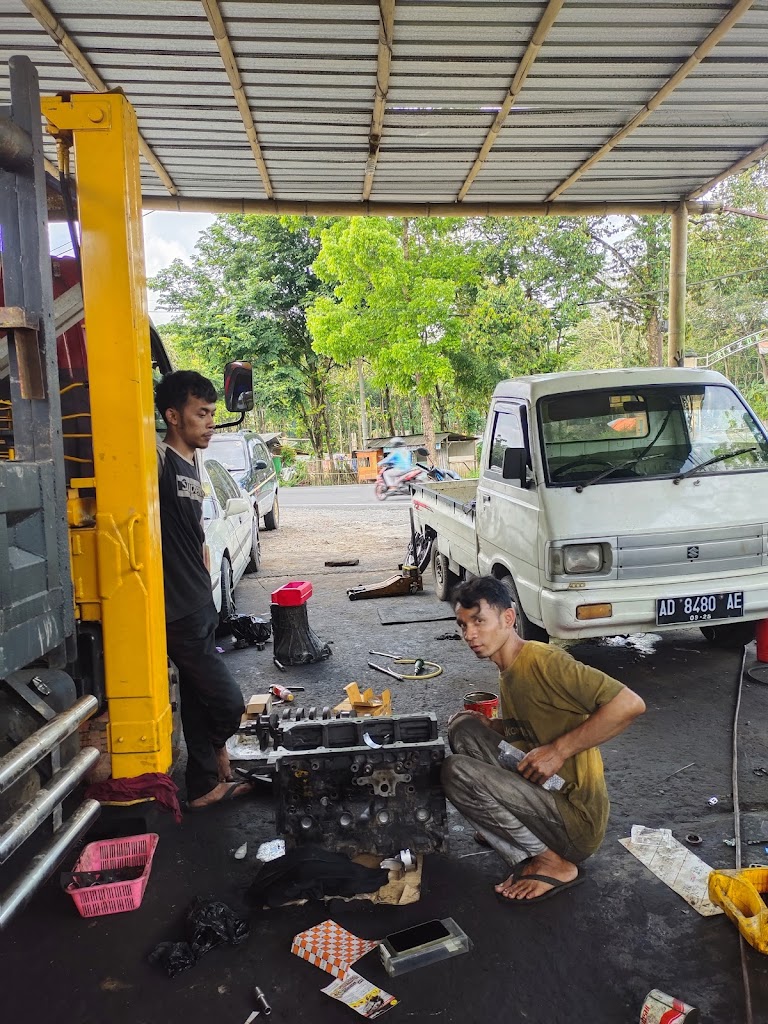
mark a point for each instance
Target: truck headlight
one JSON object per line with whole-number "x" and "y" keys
{"x": 579, "y": 558}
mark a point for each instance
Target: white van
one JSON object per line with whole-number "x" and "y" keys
{"x": 613, "y": 502}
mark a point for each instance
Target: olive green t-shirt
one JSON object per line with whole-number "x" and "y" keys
{"x": 545, "y": 694}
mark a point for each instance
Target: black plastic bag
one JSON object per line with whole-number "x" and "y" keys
{"x": 250, "y": 629}
{"x": 173, "y": 957}
{"x": 209, "y": 923}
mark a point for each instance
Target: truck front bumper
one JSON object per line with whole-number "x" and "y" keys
{"x": 633, "y": 608}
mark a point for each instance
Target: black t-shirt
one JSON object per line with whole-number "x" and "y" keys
{"x": 186, "y": 579}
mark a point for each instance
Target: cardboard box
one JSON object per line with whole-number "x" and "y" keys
{"x": 258, "y": 704}
{"x": 366, "y": 703}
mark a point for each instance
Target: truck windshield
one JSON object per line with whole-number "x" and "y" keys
{"x": 654, "y": 432}
{"x": 230, "y": 453}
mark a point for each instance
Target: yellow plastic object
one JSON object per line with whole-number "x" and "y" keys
{"x": 739, "y": 894}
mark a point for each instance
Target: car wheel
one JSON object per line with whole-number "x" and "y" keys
{"x": 445, "y": 580}
{"x": 228, "y": 608}
{"x": 272, "y": 518}
{"x": 255, "y": 559}
{"x": 526, "y": 629}
{"x": 732, "y": 635}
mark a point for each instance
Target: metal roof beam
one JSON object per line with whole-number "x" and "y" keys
{"x": 383, "y": 65}
{"x": 526, "y": 63}
{"x": 69, "y": 47}
{"x": 702, "y": 50}
{"x": 740, "y": 165}
{"x": 216, "y": 21}
{"x": 280, "y": 207}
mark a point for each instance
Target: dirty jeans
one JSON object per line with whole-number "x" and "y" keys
{"x": 518, "y": 818}
{"x": 211, "y": 702}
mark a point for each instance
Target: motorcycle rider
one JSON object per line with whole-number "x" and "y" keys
{"x": 397, "y": 463}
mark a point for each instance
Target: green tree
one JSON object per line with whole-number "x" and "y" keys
{"x": 244, "y": 296}
{"x": 395, "y": 302}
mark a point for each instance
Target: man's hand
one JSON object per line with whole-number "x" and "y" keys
{"x": 541, "y": 764}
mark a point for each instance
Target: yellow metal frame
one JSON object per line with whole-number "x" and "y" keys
{"x": 118, "y": 561}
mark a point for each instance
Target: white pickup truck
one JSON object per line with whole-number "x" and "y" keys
{"x": 613, "y": 502}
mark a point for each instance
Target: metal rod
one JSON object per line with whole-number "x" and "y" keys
{"x": 15, "y": 147}
{"x": 41, "y": 866}
{"x": 24, "y": 822}
{"x": 40, "y": 743}
{"x": 386, "y": 671}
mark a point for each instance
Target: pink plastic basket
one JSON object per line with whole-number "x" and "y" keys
{"x": 116, "y": 897}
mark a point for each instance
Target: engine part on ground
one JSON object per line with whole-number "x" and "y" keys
{"x": 356, "y": 799}
{"x": 407, "y": 581}
{"x": 294, "y": 641}
{"x": 249, "y": 629}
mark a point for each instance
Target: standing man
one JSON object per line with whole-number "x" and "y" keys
{"x": 211, "y": 701}
{"x": 557, "y": 711}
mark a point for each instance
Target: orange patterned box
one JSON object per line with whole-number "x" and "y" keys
{"x": 330, "y": 947}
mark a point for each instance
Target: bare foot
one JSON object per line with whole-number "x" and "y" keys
{"x": 518, "y": 887}
{"x": 222, "y": 764}
{"x": 224, "y": 791}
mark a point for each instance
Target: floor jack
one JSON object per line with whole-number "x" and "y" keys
{"x": 407, "y": 581}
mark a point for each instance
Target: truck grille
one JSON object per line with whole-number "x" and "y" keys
{"x": 692, "y": 552}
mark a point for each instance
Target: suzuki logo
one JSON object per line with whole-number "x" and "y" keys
{"x": 693, "y": 551}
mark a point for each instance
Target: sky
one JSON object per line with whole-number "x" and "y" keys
{"x": 167, "y": 237}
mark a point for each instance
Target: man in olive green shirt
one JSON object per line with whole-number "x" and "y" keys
{"x": 557, "y": 711}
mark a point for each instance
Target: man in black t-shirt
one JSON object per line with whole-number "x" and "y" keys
{"x": 211, "y": 702}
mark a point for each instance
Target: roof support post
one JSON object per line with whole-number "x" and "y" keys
{"x": 383, "y": 65}
{"x": 677, "y": 286}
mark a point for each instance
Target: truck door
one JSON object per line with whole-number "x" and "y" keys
{"x": 508, "y": 512}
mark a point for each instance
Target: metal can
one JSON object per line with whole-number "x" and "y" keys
{"x": 480, "y": 700}
{"x": 659, "y": 1008}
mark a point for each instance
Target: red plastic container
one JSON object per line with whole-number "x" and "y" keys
{"x": 292, "y": 594}
{"x": 115, "y": 897}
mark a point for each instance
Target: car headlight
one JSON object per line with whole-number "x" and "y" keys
{"x": 577, "y": 558}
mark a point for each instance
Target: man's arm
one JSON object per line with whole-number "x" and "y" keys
{"x": 541, "y": 763}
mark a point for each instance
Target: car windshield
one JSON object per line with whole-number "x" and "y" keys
{"x": 657, "y": 431}
{"x": 230, "y": 453}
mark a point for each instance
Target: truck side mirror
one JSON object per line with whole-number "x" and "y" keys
{"x": 513, "y": 466}
{"x": 238, "y": 386}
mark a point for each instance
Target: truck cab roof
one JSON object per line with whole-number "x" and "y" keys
{"x": 538, "y": 385}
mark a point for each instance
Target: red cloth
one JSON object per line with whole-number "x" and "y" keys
{"x": 141, "y": 787}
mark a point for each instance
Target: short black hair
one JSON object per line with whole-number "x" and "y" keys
{"x": 470, "y": 593}
{"x": 175, "y": 389}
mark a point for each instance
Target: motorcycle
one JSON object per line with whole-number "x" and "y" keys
{"x": 418, "y": 474}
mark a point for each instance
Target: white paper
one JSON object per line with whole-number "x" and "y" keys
{"x": 360, "y": 995}
{"x": 677, "y": 867}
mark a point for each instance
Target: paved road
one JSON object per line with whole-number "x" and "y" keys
{"x": 344, "y": 495}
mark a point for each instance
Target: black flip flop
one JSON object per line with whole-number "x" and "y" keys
{"x": 557, "y": 887}
{"x": 229, "y": 794}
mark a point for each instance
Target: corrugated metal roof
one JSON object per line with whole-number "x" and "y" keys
{"x": 309, "y": 73}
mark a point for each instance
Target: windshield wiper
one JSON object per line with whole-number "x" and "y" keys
{"x": 710, "y": 462}
{"x": 630, "y": 462}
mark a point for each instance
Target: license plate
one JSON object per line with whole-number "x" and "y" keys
{"x": 700, "y": 608}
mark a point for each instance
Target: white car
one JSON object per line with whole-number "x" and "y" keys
{"x": 231, "y": 533}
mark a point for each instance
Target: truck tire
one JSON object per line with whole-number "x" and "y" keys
{"x": 445, "y": 580}
{"x": 732, "y": 635}
{"x": 272, "y": 518}
{"x": 526, "y": 629}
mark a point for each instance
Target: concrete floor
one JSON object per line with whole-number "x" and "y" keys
{"x": 589, "y": 955}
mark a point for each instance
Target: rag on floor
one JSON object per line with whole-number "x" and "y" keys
{"x": 312, "y": 873}
{"x": 151, "y": 785}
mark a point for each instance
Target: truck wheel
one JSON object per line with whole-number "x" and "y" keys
{"x": 255, "y": 560}
{"x": 526, "y": 629}
{"x": 736, "y": 634}
{"x": 272, "y": 518}
{"x": 445, "y": 580}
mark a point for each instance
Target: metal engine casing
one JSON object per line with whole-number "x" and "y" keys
{"x": 361, "y": 800}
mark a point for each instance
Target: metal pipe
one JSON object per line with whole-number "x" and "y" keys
{"x": 37, "y": 746}
{"x": 677, "y": 286}
{"x": 23, "y": 823}
{"x": 400, "y": 208}
{"x": 15, "y": 147}
{"x": 41, "y": 866}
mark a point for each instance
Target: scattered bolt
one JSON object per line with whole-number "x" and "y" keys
{"x": 693, "y": 839}
{"x": 261, "y": 1001}
{"x": 712, "y": 801}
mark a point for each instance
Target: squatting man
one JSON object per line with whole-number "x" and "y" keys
{"x": 557, "y": 711}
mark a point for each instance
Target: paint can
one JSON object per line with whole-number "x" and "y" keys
{"x": 659, "y": 1008}
{"x": 480, "y": 700}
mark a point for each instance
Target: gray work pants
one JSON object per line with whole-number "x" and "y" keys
{"x": 518, "y": 818}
